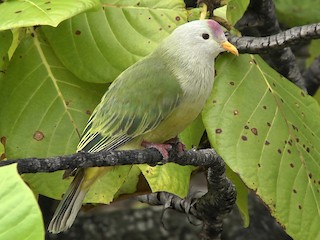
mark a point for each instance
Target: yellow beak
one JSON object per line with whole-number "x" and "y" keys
{"x": 230, "y": 48}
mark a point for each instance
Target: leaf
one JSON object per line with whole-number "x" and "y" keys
{"x": 267, "y": 130}
{"x": 192, "y": 135}
{"x": 27, "y": 13}
{"x": 44, "y": 108}
{"x": 170, "y": 177}
{"x": 295, "y": 12}
{"x": 21, "y": 217}
{"x": 235, "y": 10}
{"x": 242, "y": 195}
{"x": 102, "y": 44}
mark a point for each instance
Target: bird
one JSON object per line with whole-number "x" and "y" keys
{"x": 149, "y": 103}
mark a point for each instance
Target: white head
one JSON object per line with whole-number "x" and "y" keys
{"x": 198, "y": 39}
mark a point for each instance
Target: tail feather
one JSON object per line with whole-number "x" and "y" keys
{"x": 69, "y": 206}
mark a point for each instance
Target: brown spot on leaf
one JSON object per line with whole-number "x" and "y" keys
{"x": 218, "y": 130}
{"x": 47, "y": 2}
{"x": 19, "y": 11}
{"x": 279, "y": 151}
{"x": 266, "y": 142}
{"x": 48, "y": 9}
{"x": 252, "y": 61}
{"x": 149, "y": 18}
{"x": 310, "y": 175}
{"x": 274, "y": 84}
{"x": 235, "y": 112}
{"x": 259, "y": 165}
{"x": 294, "y": 191}
{"x": 254, "y": 131}
{"x": 169, "y": 26}
{"x": 160, "y": 29}
{"x": 32, "y": 34}
{"x": 264, "y": 107}
{"x": 244, "y": 138}
{"x": 270, "y": 90}
{"x": 246, "y": 126}
{"x": 302, "y": 94}
{"x": 231, "y": 83}
{"x": 300, "y": 207}
{"x": 88, "y": 112}
{"x": 38, "y": 135}
{"x": 291, "y": 165}
{"x": 178, "y": 18}
{"x": 3, "y": 140}
{"x": 269, "y": 124}
{"x": 308, "y": 149}
{"x": 297, "y": 139}
{"x": 214, "y": 101}
{"x": 289, "y": 151}
{"x": 78, "y": 32}
{"x": 295, "y": 128}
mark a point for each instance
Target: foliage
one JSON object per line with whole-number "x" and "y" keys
{"x": 21, "y": 216}
{"x": 51, "y": 79}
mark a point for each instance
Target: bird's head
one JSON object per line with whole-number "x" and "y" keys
{"x": 204, "y": 37}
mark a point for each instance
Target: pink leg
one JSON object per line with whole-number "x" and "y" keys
{"x": 163, "y": 148}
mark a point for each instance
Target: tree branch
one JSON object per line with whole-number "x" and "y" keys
{"x": 260, "y": 20}
{"x": 203, "y": 157}
{"x": 290, "y": 37}
{"x": 211, "y": 208}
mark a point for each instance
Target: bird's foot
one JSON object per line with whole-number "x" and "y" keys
{"x": 181, "y": 148}
{"x": 163, "y": 148}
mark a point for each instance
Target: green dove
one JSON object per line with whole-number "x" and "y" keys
{"x": 150, "y": 102}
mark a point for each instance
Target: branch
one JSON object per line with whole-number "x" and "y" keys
{"x": 202, "y": 157}
{"x": 211, "y": 208}
{"x": 290, "y": 37}
{"x": 260, "y": 20}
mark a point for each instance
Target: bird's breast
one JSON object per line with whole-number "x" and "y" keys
{"x": 190, "y": 106}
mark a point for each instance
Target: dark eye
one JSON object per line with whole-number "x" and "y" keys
{"x": 205, "y": 36}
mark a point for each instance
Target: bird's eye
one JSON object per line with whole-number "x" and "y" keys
{"x": 205, "y": 36}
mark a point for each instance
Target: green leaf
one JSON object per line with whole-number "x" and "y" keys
{"x": 235, "y": 10}
{"x": 295, "y": 12}
{"x": 41, "y": 12}
{"x": 170, "y": 177}
{"x": 102, "y": 44}
{"x": 267, "y": 130}
{"x": 21, "y": 217}
{"x": 192, "y": 135}
{"x": 47, "y": 111}
{"x": 242, "y": 195}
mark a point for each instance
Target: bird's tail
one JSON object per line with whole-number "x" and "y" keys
{"x": 69, "y": 206}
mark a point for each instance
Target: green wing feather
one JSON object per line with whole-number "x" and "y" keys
{"x": 138, "y": 100}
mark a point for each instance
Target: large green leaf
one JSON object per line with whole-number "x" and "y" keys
{"x": 268, "y": 131}
{"x": 296, "y": 12}
{"x": 43, "y": 107}
{"x": 40, "y": 12}
{"x": 20, "y": 214}
{"x": 102, "y": 44}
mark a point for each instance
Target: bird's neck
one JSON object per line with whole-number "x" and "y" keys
{"x": 194, "y": 72}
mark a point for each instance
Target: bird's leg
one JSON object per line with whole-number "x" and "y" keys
{"x": 163, "y": 148}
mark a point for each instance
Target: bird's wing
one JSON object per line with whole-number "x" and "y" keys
{"x": 139, "y": 99}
